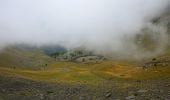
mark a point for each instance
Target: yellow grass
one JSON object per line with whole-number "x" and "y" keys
{"x": 77, "y": 73}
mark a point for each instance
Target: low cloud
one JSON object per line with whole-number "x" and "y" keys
{"x": 103, "y": 26}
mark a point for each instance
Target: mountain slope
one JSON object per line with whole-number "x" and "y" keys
{"x": 16, "y": 57}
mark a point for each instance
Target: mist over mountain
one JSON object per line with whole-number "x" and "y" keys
{"x": 105, "y": 27}
{"x": 84, "y": 49}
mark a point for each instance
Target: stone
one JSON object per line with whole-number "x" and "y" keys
{"x": 142, "y": 91}
{"x": 132, "y": 97}
{"x": 108, "y": 94}
{"x": 3, "y": 90}
{"x": 41, "y": 96}
{"x": 81, "y": 98}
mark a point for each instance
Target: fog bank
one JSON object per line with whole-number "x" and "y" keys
{"x": 107, "y": 27}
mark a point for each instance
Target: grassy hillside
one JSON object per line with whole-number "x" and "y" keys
{"x": 15, "y": 57}
{"x": 34, "y": 64}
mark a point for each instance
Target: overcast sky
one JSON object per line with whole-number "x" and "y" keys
{"x": 93, "y": 23}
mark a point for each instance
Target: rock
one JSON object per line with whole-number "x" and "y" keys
{"x": 41, "y": 96}
{"x": 142, "y": 91}
{"x": 50, "y": 92}
{"x": 168, "y": 85}
{"x": 166, "y": 99}
{"x": 108, "y": 94}
{"x": 161, "y": 91}
{"x": 81, "y": 98}
{"x": 3, "y": 90}
{"x": 132, "y": 97}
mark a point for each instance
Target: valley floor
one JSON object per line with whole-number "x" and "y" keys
{"x": 106, "y": 80}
